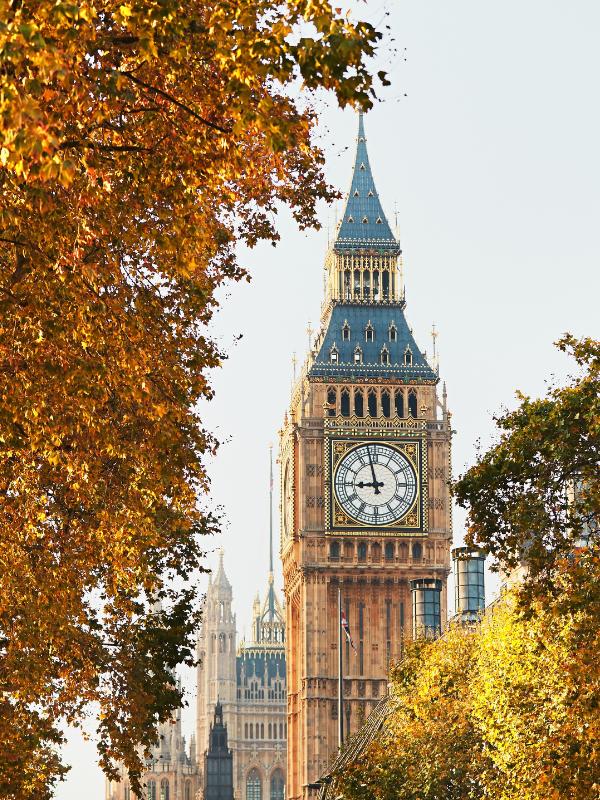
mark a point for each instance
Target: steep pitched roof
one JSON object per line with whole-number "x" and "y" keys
{"x": 357, "y": 744}
{"x": 381, "y": 318}
{"x": 364, "y": 224}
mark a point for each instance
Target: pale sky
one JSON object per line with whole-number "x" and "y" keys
{"x": 492, "y": 160}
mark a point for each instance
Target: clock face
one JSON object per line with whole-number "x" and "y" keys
{"x": 375, "y": 484}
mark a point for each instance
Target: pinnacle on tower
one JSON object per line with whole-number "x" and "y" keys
{"x": 221, "y": 579}
{"x": 364, "y": 224}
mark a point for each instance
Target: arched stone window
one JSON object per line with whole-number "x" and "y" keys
{"x": 346, "y": 331}
{"x": 385, "y": 355}
{"x": 400, "y": 402}
{"x": 358, "y": 355}
{"x": 417, "y": 551}
{"x": 393, "y": 332}
{"x": 164, "y": 789}
{"x": 385, "y": 403}
{"x": 334, "y": 355}
{"x": 372, "y": 402}
{"x": 389, "y": 551}
{"x": 334, "y": 551}
{"x": 412, "y": 403}
{"x": 366, "y": 283}
{"x": 331, "y": 402}
{"x": 369, "y": 333}
{"x": 151, "y": 790}
{"x": 362, "y": 551}
{"x": 376, "y": 552}
{"x": 187, "y": 793}
{"x": 277, "y": 789}
{"x": 408, "y": 357}
{"x": 253, "y": 786}
{"x": 345, "y": 403}
{"x": 385, "y": 284}
{"x": 359, "y": 408}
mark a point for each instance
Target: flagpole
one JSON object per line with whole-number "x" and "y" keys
{"x": 340, "y": 679}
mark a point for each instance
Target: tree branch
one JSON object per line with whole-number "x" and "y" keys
{"x": 174, "y": 100}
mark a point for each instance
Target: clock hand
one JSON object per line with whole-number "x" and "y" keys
{"x": 375, "y": 484}
{"x": 373, "y": 471}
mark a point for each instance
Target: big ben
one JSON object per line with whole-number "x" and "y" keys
{"x": 365, "y": 465}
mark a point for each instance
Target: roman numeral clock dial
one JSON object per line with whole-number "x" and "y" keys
{"x": 375, "y": 484}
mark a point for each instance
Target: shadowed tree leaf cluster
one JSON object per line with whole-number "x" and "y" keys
{"x": 138, "y": 143}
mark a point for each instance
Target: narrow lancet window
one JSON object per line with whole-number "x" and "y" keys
{"x": 412, "y": 403}
{"x": 359, "y": 408}
{"x": 372, "y": 402}
{"x": 345, "y": 403}
{"x": 334, "y": 355}
{"x": 400, "y": 402}
{"x": 393, "y": 332}
{"x": 369, "y": 332}
{"x": 331, "y": 402}
{"x": 358, "y": 356}
{"x": 385, "y": 356}
{"x": 408, "y": 357}
{"x": 385, "y": 403}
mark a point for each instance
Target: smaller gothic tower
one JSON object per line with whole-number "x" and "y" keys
{"x": 218, "y": 761}
{"x": 216, "y": 656}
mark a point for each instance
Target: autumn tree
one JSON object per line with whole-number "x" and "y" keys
{"x": 505, "y": 710}
{"x": 535, "y": 494}
{"x": 139, "y": 143}
{"x": 509, "y": 708}
{"x": 430, "y": 748}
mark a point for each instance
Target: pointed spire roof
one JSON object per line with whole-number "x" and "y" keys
{"x": 221, "y": 579}
{"x": 364, "y": 224}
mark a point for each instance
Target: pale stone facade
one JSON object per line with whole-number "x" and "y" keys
{"x": 250, "y": 683}
{"x": 365, "y": 505}
{"x": 172, "y": 771}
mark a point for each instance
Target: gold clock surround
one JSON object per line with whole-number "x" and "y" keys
{"x": 413, "y": 522}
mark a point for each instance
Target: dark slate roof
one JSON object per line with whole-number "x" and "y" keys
{"x": 357, "y": 744}
{"x": 358, "y": 316}
{"x": 364, "y": 225}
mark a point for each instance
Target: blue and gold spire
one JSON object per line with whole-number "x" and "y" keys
{"x": 364, "y": 224}
{"x": 364, "y": 335}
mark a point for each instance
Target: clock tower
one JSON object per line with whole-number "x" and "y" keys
{"x": 365, "y": 465}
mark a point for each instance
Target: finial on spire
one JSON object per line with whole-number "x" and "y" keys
{"x": 309, "y": 332}
{"x": 434, "y": 335}
{"x": 361, "y": 127}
